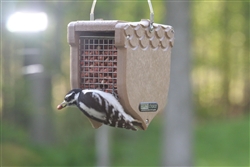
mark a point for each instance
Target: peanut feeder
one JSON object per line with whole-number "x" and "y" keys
{"x": 130, "y": 59}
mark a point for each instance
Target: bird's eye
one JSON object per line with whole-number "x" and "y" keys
{"x": 69, "y": 97}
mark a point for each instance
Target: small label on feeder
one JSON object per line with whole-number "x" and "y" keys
{"x": 148, "y": 106}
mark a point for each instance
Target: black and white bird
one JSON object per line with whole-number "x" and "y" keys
{"x": 100, "y": 106}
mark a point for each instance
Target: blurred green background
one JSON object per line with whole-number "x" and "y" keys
{"x": 220, "y": 88}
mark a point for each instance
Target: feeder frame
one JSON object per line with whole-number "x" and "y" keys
{"x": 140, "y": 62}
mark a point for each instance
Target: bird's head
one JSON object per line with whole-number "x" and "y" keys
{"x": 70, "y": 98}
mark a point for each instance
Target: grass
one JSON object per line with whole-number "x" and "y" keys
{"x": 223, "y": 143}
{"x": 217, "y": 143}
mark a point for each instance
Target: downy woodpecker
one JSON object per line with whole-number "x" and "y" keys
{"x": 100, "y": 106}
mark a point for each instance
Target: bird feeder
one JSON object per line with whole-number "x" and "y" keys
{"x": 130, "y": 59}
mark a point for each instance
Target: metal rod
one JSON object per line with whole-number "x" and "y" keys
{"x": 150, "y": 8}
{"x": 92, "y": 17}
{"x": 151, "y": 15}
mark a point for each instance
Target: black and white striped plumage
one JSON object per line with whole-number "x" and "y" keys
{"x": 100, "y": 106}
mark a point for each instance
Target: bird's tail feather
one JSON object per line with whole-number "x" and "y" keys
{"x": 138, "y": 123}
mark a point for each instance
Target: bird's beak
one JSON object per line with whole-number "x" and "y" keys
{"x": 62, "y": 105}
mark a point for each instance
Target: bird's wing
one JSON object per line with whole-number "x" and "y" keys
{"x": 93, "y": 100}
{"x": 93, "y": 106}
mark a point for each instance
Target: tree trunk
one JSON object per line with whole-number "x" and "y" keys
{"x": 178, "y": 129}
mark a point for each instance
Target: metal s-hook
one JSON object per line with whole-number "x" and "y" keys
{"x": 150, "y": 8}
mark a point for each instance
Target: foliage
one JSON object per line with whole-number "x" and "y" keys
{"x": 221, "y": 57}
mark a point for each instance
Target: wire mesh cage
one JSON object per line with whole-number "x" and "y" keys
{"x": 98, "y": 63}
{"x": 128, "y": 59}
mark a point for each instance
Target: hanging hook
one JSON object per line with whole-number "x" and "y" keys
{"x": 151, "y": 15}
{"x": 92, "y": 17}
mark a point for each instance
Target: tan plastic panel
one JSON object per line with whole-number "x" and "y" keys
{"x": 144, "y": 61}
